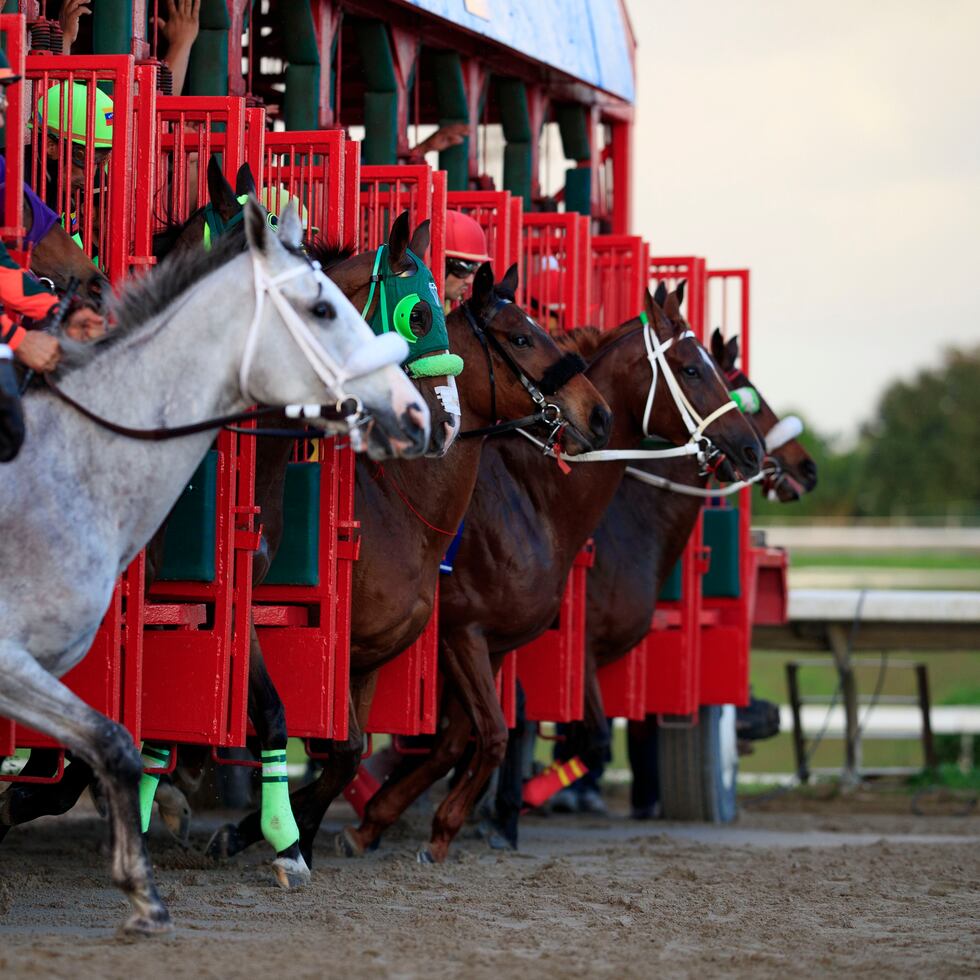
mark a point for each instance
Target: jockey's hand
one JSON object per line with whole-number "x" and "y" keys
{"x": 85, "y": 324}
{"x": 182, "y": 24}
{"x": 39, "y": 351}
{"x": 71, "y": 11}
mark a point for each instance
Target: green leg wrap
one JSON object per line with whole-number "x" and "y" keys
{"x": 278, "y": 825}
{"x": 153, "y": 758}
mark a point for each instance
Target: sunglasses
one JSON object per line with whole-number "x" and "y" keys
{"x": 78, "y": 156}
{"x": 460, "y": 268}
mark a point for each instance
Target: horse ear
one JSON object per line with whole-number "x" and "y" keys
{"x": 398, "y": 239}
{"x": 660, "y": 296}
{"x": 731, "y": 350}
{"x": 257, "y": 231}
{"x": 290, "y": 227}
{"x": 420, "y": 240}
{"x": 680, "y": 291}
{"x": 482, "y": 286}
{"x": 718, "y": 349}
{"x": 244, "y": 181}
{"x": 219, "y": 190}
{"x": 511, "y": 280}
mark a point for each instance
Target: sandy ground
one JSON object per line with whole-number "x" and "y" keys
{"x": 809, "y": 886}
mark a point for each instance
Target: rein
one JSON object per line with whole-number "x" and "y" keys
{"x": 553, "y": 380}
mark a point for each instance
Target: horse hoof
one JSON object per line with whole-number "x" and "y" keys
{"x": 291, "y": 873}
{"x": 175, "y": 812}
{"x": 346, "y": 845}
{"x": 225, "y": 843}
{"x": 424, "y": 856}
{"x": 142, "y": 926}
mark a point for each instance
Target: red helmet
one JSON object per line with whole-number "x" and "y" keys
{"x": 465, "y": 238}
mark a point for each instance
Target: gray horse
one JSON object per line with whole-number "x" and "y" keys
{"x": 203, "y": 336}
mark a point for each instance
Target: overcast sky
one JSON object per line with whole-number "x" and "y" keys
{"x": 834, "y": 148}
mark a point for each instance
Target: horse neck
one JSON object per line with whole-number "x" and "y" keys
{"x": 181, "y": 367}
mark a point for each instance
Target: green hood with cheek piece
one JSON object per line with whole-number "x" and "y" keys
{"x": 410, "y": 305}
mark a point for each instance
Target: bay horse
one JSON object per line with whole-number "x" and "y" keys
{"x": 638, "y": 542}
{"x": 525, "y": 524}
{"x": 96, "y": 498}
{"x": 409, "y": 514}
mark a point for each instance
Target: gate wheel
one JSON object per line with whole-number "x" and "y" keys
{"x": 699, "y": 768}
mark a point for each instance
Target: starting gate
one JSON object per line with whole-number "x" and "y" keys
{"x": 501, "y": 218}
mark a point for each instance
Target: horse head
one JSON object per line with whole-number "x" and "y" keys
{"x": 57, "y": 258}
{"x": 300, "y": 310}
{"x": 396, "y": 291}
{"x": 517, "y": 369}
{"x": 794, "y": 471}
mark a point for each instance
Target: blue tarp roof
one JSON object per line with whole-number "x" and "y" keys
{"x": 587, "y": 39}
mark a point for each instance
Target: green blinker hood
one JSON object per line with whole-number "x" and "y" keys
{"x": 410, "y": 305}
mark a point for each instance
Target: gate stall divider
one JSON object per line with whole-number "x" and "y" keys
{"x": 302, "y": 610}
{"x": 556, "y": 272}
{"x": 195, "y": 664}
{"x": 729, "y": 592}
{"x": 406, "y": 695}
{"x": 620, "y": 265}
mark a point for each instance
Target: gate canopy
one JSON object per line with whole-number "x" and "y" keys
{"x": 590, "y": 40}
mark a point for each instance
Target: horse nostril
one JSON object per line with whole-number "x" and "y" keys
{"x": 599, "y": 421}
{"x": 809, "y": 470}
{"x": 750, "y": 456}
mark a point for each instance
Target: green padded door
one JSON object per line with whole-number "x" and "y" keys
{"x": 721, "y": 581}
{"x": 188, "y": 551}
{"x": 297, "y": 561}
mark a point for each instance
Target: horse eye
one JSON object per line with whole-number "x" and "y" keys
{"x": 521, "y": 340}
{"x": 324, "y": 310}
{"x": 692, "y": 372}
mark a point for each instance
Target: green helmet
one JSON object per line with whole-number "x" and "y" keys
{"x": 52, "y": 108}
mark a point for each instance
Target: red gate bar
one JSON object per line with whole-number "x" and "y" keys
{"x": 12, "y": 231}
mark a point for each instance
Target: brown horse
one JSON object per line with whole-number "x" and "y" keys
{"x": 409, "y": 513}
{"x": 637, "y": 543}
{"x": 525, "y": 525}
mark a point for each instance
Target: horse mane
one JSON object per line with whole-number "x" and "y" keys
{"x": 143, "y": 298}
{"x": 328, "y": 254}
{"x": 589, "y": 341}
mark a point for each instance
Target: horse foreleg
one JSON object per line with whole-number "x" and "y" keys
{"x": 31, "y": 696}
{"x": 408, "y": 782}
{"x": 466, "y": 665}
{"x": 275, "y": 819}
{"x": 27, "y": 801}
{"x": 311, "y": 802}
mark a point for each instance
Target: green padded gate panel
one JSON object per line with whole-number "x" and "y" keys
{"x": 671, "y": 591}
{"x": 721, "y": 581}
{"x": 188, "y": 551}
{"x": 297, "y": 561}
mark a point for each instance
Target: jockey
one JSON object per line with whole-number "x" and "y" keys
{"x": 466, "y": 249}
{"x": 63, "y": 110}
{"x": 20, "y": 294}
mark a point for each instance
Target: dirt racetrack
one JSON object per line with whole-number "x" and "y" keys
{"x": 801, "y": 888}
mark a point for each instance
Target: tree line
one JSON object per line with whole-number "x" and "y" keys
{"x": 919, "y": 455}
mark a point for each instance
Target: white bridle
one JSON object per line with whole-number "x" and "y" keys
{"x": 782, "y": 432}
{"x": 697, "y": 443}
{"x": 387, "y": 349}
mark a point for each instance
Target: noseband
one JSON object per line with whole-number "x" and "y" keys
{"x": 555, "y": 377}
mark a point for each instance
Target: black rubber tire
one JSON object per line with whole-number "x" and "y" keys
{"x": 679, "y": 765}
{"x": 719, "y": 764}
